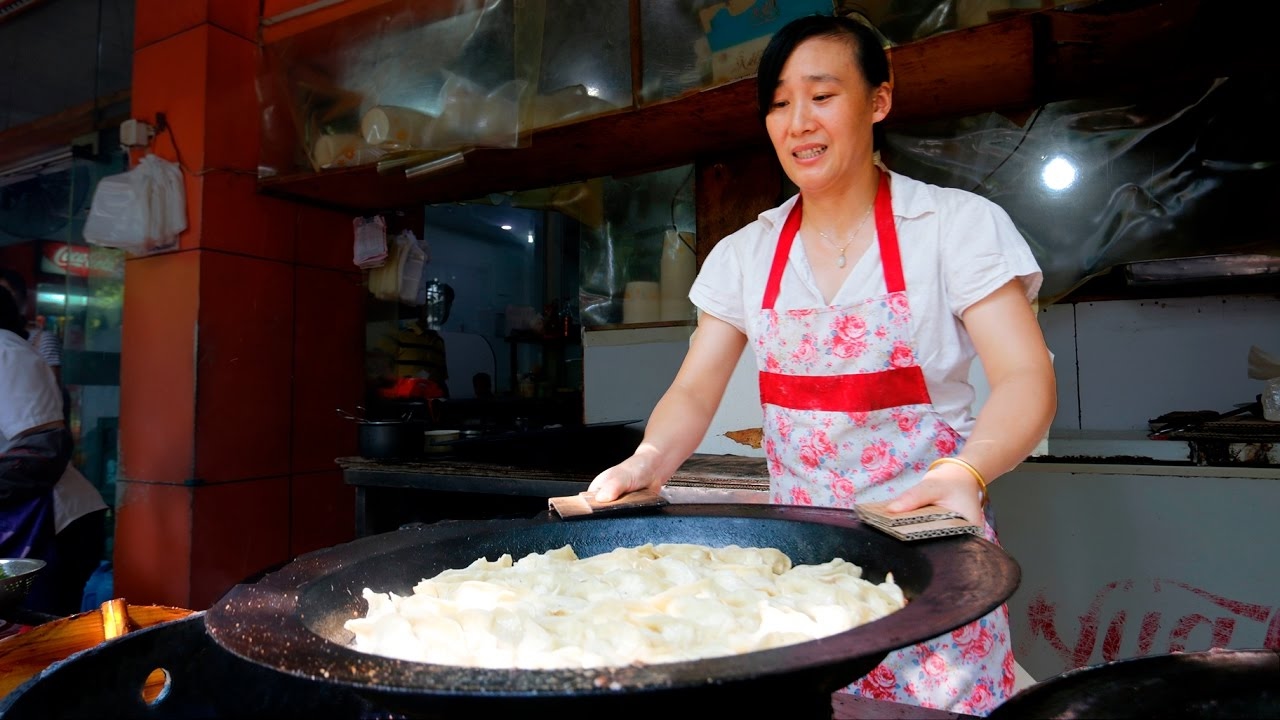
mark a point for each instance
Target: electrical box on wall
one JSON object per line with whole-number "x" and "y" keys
{"x": 136, "y": 133}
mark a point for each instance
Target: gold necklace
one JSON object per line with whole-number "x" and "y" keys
{"x": 840, "y": 261}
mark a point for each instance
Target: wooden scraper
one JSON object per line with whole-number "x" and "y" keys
{"x": 584, "y": 504}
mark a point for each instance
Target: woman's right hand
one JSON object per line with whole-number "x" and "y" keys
{"x": 680, "y": 419}
{"x": 634, "y": 473}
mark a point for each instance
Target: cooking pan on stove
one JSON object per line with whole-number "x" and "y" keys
{"x": 1212, "y": 684}
{"x": 292, "y": 620}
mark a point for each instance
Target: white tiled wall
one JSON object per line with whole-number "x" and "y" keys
{"x": 1118, "y": 364}
{"x": 626, "y": 371}
{"x": 1129, "y": 361}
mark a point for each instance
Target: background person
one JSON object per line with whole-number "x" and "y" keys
{"x": 865, "y": 300}
{"x": 78, "y": 512}
{"x": 34, "y": 450}
{"x": 44, "y": 341}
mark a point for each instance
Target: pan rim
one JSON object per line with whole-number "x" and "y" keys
{"x": 264, "y": 623}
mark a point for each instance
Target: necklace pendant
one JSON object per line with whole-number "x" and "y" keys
{"x": 840, "y": 261}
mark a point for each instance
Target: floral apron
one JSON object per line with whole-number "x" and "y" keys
{"x": 847, "y": 418}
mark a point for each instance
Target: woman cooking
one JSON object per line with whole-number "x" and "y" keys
{"x": 865, "y": 299}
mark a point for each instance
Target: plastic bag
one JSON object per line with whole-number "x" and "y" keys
{"x": 141, "y": 210}
{"x": 370, "y": 242}
{"x": 384, "y": 281}
{"x": 413, "y": 282}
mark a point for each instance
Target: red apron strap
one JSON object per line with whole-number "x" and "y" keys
{"x": 780, "y": 255}
{"x": 887, "y": 235}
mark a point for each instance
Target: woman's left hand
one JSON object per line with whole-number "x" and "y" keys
{"x": 948, "y": 486}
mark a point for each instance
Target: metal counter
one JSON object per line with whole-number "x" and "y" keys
{"x": 392, "y": 494}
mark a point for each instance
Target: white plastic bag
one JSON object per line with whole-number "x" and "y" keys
{"x": 384, "y": 280}
{"x": 413, "y": 281}
{"x": 141, "y": 210}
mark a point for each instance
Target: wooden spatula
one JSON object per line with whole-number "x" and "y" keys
{"x": 584, "y": 504}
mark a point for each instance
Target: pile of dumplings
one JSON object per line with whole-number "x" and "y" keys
{"x": 650, "y": 604}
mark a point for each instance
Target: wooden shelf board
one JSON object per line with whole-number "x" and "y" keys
{"x": 678, "y": 131}
{"x": 1010, "y": 65}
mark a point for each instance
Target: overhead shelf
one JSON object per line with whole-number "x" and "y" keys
{"x": 1009, "y": 65}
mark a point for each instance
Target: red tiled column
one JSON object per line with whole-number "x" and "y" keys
{"x": 233, "y": 341}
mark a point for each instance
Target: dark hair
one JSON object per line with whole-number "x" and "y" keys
{"x": 14, "y": 280}
{"x": 10, "y": 317}
{"x": 868, "y": 51}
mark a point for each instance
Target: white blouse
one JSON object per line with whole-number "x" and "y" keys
{"x": 957, "y": 248}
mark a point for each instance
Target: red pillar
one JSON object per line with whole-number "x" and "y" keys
{"x": 237, "y": 344}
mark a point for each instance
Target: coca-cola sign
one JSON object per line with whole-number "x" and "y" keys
{"x": 64, "y": 259}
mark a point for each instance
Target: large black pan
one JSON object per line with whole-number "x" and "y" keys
{"x": 293, "y": 619}
{"x": 1213, "y": 684}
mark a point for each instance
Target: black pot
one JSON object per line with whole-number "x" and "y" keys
{"x": 202, "y": 682}
{"x": 390, "y": 439}
{"x": 292, "y": 620}
{"x": 1213, "y": 684}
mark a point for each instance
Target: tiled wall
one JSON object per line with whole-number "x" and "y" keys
{"x": 1120, "y": 363}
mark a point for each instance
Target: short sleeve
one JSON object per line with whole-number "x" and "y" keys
{"x": 985, "y": 251}
{"x": 719, "y": 288}
{"x": 29, "y": 397}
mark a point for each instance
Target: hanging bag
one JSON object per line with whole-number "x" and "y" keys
{"x": 142, "y": 210}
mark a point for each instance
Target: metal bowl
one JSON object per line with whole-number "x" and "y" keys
{"x": 293, "y": 620}
{"x": 16, "y": 576}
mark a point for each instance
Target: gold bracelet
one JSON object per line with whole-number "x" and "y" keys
{"x": 982, "y": 482}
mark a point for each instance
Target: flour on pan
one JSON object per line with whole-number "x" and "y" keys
{"x": 648, "y": 604}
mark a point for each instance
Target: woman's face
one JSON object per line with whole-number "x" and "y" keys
{"x": 822, "y": 113}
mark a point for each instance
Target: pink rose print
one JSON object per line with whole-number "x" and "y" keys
{"x": 981, "y": 701}
{"x": 902, "y": 356}
{"x": 879, "y": 684}
{"x": 859, "y": 419}
{"x": 850, "y": 336}
{"x": 934, "y": 665}
{"x": 875, "y": 456}
{"x": 806, "y": 352}
{"x": 882, "y": 332}
{"x": 771, "y": 364}
{"x": 898, "y": 304}
{"x": 966, "y": 633}
{"x": 800, "y": 496}
{"x": 850, "y": 327}
{"x": 775, "y": 463}
{"x": 975, "y": 644}
{"x": 891, "y": 469}
{"x": 946, "y": 440}
{"x": 841, "y": 486}
{"x": 907, "y": 421}
{"x": 784, "y": 426}
{"x": 814, "y": 448}
{"x": 1007, "y": 675}
{"x": 846, "y": 349}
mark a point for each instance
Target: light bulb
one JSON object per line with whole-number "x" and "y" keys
{"x": 1059, "y": 173}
